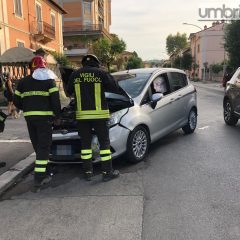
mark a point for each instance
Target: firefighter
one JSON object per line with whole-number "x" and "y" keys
{"x": 38, "y": 97}
{"x": 88, "y": 85}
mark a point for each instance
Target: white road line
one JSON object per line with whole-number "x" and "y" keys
{"x": 15, "y": 141}
{"x": 203, "y": 128}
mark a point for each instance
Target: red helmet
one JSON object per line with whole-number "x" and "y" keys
{"x": 38, "y": 62}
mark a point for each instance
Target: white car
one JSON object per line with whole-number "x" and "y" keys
{"x": 160, "y": 101}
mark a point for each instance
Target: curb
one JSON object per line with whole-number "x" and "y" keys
{"x": 11, "y": 176}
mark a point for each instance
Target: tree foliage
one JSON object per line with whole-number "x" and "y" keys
{"x": 232, "y": 43}
{"x": 216, "y": 68}
{"x": 175, "y": 43}
{"x": 107, "y": 51}
{"x": 134, "y": 62}
{"x": 61, "y": 59}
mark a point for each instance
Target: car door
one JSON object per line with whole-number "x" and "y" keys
{"x": 179, "y": 96}
{"x": 162, "y": 115}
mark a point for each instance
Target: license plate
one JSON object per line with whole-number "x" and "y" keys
{"x": 63, "y": 150}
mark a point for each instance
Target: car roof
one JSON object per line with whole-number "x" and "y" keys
{"x": 148, "y": 70}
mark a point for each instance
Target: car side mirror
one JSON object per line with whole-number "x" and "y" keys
{"x": 155, "y": 98}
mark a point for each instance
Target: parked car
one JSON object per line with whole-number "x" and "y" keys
{"x": 140, "y": 117}
{"x": 231, "y": 101}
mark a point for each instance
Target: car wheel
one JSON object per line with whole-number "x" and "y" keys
{"x": 228, "y": 114}
{"x": 138, "y": 144}
{"x": 192, "y": 122}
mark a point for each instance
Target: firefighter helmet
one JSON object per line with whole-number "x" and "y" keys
{"x": 38, "y": 62}
{"x": 90, "y": 58}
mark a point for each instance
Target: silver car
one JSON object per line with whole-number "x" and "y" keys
{"x": 157, "y": 102}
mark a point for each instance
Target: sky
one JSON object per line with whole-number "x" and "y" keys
{"x": 145, "y": 24}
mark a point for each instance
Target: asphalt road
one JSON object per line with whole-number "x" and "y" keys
{"x": 188, "y": 188}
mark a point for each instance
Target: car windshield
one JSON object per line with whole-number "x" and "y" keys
{"x": 133, "y": 84}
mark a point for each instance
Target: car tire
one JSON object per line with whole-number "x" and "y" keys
{"x": 228, "y": 114}
{"x": 138, "y": 144}
{"x": 192, "y": 122}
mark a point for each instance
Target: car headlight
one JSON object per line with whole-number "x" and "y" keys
{"x": 115, "y": 117}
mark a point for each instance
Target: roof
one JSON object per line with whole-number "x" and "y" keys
{"x": 17, "y": 55}
{"x": 58, "y": 6}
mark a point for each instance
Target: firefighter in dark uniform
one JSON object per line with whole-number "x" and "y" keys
{"x": 88, "y": 85}
{"x": 38, "y": 97}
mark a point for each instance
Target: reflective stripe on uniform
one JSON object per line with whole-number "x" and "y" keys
{"x": 38, "y": 113}
{"x": 106, "y": 158}
{"x": 97, "y": 91}
{"x": 108, "y": 151}
{"x": 54, "y": 89}
{"x": 86, "y": 151}
{"x": 41, "y": 162}
{"x": 86, "y": 154}
{"x": 17, "y": 93}
{"x": 105, "y": 154}
{"x": 35, "y": 93}
{"x": 78, "y": 96}
{"x": 92, "y": 114}
{"x": 40, "y": 170}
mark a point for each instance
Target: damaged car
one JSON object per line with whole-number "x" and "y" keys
{"x": 157, "y": 101}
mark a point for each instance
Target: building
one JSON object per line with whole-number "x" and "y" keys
{"x": 31, "y": 24}
{"x": 207, "y": 48}
{"x": 85, "y": 22}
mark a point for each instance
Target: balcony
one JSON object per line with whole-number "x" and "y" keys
{"x": 83, "y": 30}
{"x": 43, "y": 32}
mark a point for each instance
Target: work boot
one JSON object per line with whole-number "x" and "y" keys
{"x": 107, "y": 176}
{"x": 40, "y": 181}
{"x": 87, "y": 169}
{"x": 88, "y": 176}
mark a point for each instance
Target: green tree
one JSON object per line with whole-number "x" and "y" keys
{"x": 107, "y": 51}
{"x": 175, "y": 43}
{"x": 61, "y": 59}
{"x": 134, "y": 62}
{"x": 216, "y": 68}
{"x": 187, "y": 61}
{"x": 232, "y": 43}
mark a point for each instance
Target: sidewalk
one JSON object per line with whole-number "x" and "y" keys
{"x": 216, "y": 86}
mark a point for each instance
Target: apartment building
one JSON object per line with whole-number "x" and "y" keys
{"x": 207, "y": 48}
{"x": 85, "y": 22}
{"x": 31, "y": 24}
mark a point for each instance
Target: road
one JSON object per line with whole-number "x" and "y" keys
{"x": 188, "y": 188}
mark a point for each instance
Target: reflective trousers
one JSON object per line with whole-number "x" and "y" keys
{"x": 102, "y": 132}
{"x": 40, "y": 132}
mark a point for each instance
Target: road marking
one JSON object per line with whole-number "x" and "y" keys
{"x": 15, "y": 141}
{"x": 203, "y": 128}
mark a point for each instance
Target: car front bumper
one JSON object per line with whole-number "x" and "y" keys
{"x": 66, "y": 146}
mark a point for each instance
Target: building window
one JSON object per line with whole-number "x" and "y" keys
{"x": 39, "y": 17}
{"x": 20, "y": 44}
{"x": 53, "y": 20}
{"x": 87, "y": 8}
{"x": 18, "y": 7}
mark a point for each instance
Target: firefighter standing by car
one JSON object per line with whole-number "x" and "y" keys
{"x": 38, "y": 97}
{"x": 88, "y": 85}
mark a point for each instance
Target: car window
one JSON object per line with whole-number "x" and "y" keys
{"x": 133, "y": 84}
{"x": 177, "y": 80}
{"x": 160, "y": 84}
